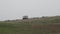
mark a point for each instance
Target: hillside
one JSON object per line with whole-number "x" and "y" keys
{"x": 46, "y": 25}
{"x": 47, "y": 20}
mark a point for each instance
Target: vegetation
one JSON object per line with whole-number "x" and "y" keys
{"x": 47, "y": 25}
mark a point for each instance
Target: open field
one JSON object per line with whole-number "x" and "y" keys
{"x": 34, "y": 26}
{"x": 30, "y": 29}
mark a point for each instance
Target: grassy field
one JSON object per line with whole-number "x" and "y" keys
{"x": 49, "y": 25}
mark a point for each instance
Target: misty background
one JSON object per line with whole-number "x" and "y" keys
{"x": 15, "y": 9}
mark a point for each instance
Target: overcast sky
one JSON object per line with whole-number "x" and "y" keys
{"x": 14, "y": 9}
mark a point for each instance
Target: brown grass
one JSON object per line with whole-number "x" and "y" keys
{"x": 47, "y": 29}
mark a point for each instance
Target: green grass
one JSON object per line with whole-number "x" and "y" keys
{"x": 29, "y": 29}
{"x": 50, "y": 25}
